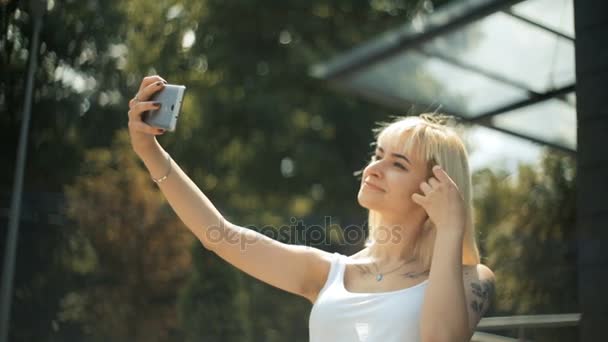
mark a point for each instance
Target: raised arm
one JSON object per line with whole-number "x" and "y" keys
{"x": 300, "y": 270}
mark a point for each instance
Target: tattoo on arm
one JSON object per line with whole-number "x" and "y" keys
{"x": 483, "y": 292}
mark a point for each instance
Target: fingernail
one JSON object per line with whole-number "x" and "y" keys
{"x": 157, "y": 104}
{"x": 165, "y": 82}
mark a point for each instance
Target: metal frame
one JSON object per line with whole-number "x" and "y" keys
{"x": 534, "y": 99}
{"x": 450, "y": 18}
{"x": 530, "y": 321}
{"x": 479, "y": 336}
{"x": 38, "y": 8}
{"x": 477, "y": 70}
{"x": 398, "y": 103}
{"x": 539, "y": 25}
{"x": 521, "y": 323}
{"x": 421, "y": 30}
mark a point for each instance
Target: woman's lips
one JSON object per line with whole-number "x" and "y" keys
{"x": 372, "y": 186}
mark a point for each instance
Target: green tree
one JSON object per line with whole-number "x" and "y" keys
{"x": 74, "y": 107}
{"x": 250, "y": 112}
{"x": 528, "y": 232}
{"x": 213, "y": 305}
{"x": 251, "y": 109}
{"x": 133, "y": 249}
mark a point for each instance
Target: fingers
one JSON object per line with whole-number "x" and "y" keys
{"x": 135, "y": 120}
{"x": 433, "y": 182}
{"x": 440, "y": 173}
{"x": 139, "y": 104}
{"x": 140, "y": 126}
{"x": 140, "y": 107}
{"x": 146, "y": 93}
{"x": 149, "y": 80}
{"x": 426, "y": 188}
{"x": 145, "y": 84}
{"x": 418, "y": 199}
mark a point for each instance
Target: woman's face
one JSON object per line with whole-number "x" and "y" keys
{"x": 389, "y": 181}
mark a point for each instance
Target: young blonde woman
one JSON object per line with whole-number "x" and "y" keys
{"x": 419, "y": 278}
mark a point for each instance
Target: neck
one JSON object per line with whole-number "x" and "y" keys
{"x": 394, "y": 241}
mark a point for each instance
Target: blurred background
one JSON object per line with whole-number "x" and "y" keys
{"x": 278, "y": 115}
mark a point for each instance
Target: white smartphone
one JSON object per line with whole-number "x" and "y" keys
{"x": 170, "y": 99}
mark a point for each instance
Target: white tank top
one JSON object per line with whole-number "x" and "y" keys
{"x": 342, "y": 316}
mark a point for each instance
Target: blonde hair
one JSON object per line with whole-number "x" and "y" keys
{"x": 437, "y": 144}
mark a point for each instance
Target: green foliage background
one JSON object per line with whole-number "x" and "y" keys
{"x": 122, "y": 267}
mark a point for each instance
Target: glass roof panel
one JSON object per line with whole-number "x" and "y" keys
{"x": 476, "y": 66}
{"x": 555, "y": 14}
{"x": 415, "y": 77}
{"x": 515, "y": 51}
{"x": 553, "y": 121}
{"x": 497, "y": 150}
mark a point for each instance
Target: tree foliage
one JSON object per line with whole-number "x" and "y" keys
{"x": 528, "y": 238}
{"x": 132, "y": 249}
{"x": 261, "y": 138}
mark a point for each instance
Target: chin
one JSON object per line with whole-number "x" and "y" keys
{"x": 366, "y": 202}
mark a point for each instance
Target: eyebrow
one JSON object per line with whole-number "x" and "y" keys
{"x": 396, "y": 155}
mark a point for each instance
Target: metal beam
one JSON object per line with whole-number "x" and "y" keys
{"x": 530, "y": 321}
{"x": 562, "y": 148}
{"x": 485, "y": 73}
{"x": 451, "y": 17}
{"x": 534, "y": 98}
{"x": 539, "y": 25}
{"x": 479, "y": 336}
{"x": 477, "y": 70}
{"x": 6, "y": 294}
{"x": 398, "y": 103}
{"x": 411, "y": 36}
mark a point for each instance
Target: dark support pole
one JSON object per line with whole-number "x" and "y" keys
{"x": 591, "y": 25}
{"x": 37, "y": 8}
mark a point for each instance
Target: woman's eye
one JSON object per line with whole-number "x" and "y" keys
{"x": 377, "y": 157}
{"x": 400, "y": 166}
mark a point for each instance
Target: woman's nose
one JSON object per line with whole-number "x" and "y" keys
{"x": 374, "y": 169}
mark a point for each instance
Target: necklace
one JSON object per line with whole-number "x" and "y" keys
{"x": 380, "y": 275}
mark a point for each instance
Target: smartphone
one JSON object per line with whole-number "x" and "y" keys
{"x": 170, "y": 99}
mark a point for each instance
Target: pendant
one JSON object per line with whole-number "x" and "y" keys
{"x": 379, "y": 277}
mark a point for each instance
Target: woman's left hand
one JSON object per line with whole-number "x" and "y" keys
{"x": 442, "y": 201}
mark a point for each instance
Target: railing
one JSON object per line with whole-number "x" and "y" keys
{"x": 521, "y": 323}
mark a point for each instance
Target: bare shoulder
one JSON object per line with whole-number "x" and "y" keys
{"x": 321, "y": 260}
{"x": 477, "y": 272}
{"x": 320, "y": 264}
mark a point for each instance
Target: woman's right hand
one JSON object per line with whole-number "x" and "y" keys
{"x": 143, "y": 135}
